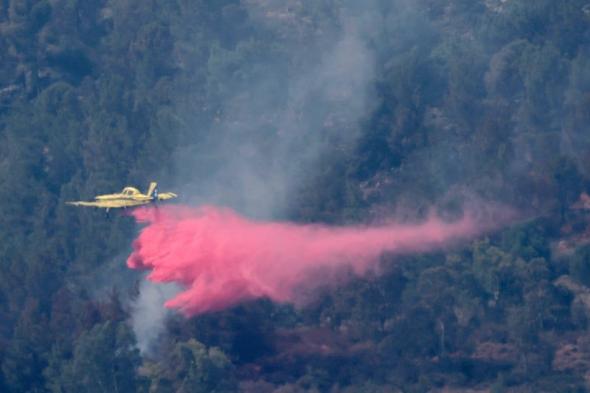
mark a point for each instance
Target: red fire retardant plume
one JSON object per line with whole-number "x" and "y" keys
{"x": 221, "y": 258}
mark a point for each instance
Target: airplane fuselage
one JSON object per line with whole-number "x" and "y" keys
{"x": 128, "y": 197}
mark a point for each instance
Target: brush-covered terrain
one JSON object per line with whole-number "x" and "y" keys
{"x": 326, "y": 111}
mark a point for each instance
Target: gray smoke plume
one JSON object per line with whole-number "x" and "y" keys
{"x": 149, "y": 314}
{"x": 278, "y": 121}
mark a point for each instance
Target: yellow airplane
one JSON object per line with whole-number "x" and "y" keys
{"x": 129, "y": 197}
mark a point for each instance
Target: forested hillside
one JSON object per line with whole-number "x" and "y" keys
{"x": 332, "y": 111}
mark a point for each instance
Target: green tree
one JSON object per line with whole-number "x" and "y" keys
{"x": 25, "y": 357}
{"x": 192, "y": 367}
{"x": 580, "y": 265}
{"x": 104, "y": 360}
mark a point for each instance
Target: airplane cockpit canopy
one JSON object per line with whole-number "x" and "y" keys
{"x": 130, "y": 191}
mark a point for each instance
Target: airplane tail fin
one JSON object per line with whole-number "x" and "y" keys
{"x": 153, "y": 190}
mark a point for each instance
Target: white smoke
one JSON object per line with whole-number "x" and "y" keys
{"x": 149, "y": 314}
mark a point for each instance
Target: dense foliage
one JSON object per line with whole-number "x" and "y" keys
{"x": 485, "y": 100}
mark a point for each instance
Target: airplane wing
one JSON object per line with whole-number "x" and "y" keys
{"x": 109, "y": 204}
